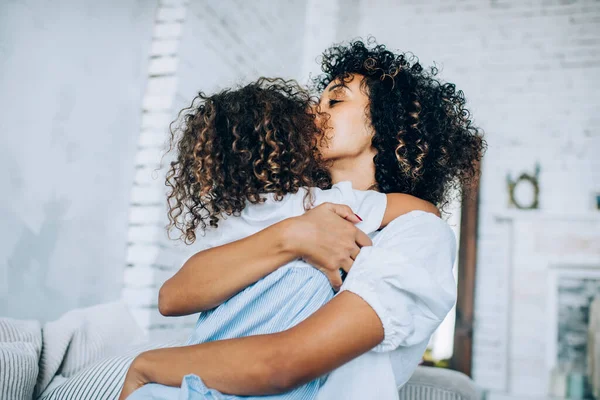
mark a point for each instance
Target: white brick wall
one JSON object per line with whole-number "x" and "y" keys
{"x": 148, "y": 263}
{"x": 531, "y": 73}
{"x": 200, "y": 45}
{"x": 321, "y": 24}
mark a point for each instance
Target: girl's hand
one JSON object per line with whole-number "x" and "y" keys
{"x": 134, "y": 379}
{"x": 326, "y": 238}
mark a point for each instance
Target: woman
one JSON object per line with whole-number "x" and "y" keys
{"x": 391, "y": 127}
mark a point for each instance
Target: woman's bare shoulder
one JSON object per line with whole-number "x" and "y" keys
{"x": 416, "y": 225}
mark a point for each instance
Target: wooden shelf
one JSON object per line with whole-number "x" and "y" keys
{"x": 590, "y": 215}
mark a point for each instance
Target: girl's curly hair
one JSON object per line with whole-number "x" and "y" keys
{"x": 240, "y": 143}
{"x": 426, "y": 144}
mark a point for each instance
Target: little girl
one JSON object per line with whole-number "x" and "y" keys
{"x": 248, "y": 158}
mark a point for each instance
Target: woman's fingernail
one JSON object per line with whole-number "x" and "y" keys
{"x": 358, "y": 216}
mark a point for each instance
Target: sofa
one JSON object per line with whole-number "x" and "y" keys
{"x": 62, "y": 359}
{"x": 429, "y": 383}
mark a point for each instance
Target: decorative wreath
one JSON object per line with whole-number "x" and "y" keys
{"x": 525, "y": 179}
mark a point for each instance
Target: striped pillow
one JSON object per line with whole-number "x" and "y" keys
{"x": 20, "y": 348}
{"x": 82, "y": 336}
{"x": 102, "y": 380}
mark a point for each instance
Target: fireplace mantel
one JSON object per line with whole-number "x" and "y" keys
{"x": 536, "y": 246}
{"x": 532, "y": 215}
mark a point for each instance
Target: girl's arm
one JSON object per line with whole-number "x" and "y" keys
{"x": 212, "y": 276}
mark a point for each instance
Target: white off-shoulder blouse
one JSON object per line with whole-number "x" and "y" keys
{"x": 407, "y": 278}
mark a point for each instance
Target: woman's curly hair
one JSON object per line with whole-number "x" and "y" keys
{"x": 238, "y": 144}
{"x": 426, "y": 144}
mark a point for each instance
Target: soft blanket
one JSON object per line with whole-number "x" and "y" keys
{"x": 32, "y": 354}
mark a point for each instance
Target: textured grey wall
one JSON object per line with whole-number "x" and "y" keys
{"x": 72, "y": 75}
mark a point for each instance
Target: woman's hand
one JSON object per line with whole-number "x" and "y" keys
{"x": 326, "y": 238}
{"x": 134, "y": 379}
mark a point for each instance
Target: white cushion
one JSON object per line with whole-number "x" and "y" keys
{"x": 103, "y": 379}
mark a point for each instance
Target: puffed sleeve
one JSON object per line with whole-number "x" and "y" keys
{"x": 368, "y": 204}
{"x": 406, "y": 277}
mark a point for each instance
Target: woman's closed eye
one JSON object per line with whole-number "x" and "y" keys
{"x": 332, "y": 102}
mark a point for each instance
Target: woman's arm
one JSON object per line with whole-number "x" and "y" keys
{"x": 339, "y": 331}
{"x": 212, "y": 276}
{"x": 395, "y": 298}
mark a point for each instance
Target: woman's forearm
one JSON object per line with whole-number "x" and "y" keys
{"x": 212, "y": 276}
{"x": 339, "y": 331}
{"x": 242, "y": 366}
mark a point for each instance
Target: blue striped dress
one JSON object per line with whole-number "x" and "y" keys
{"x": 276, "y": 302}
